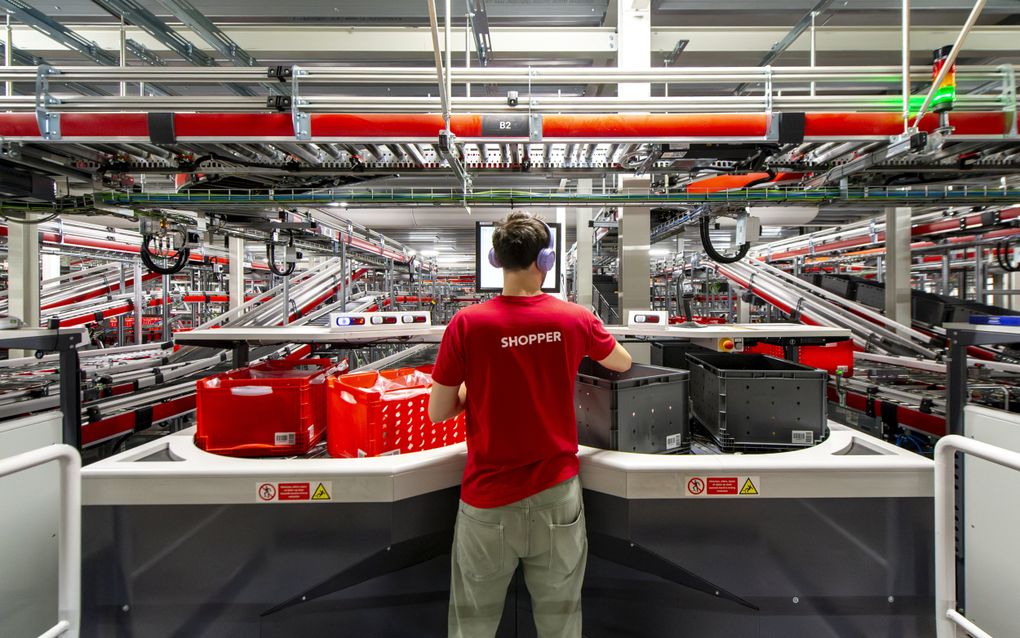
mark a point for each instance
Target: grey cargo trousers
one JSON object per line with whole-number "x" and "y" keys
{"x": 546, "y": 534}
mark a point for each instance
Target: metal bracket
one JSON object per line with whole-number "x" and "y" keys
{"x": 653, "y": 156}
{"x": 768, "y": 89}
{"x": 448, "y": 150}
{"x": 1009, "y": 94}
{"x": 279, "y": 73}
{"x": 302, "y": 121}
{"x": 535, "y": 127}
{"x": 49, "y": 122}
{"x": 279, "y": 103}
{"x": 10, "y": 150}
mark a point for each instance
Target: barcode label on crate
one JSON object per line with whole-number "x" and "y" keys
{"x": 803, "y": 437}
{"x": 285, "y": 438}
{"x": 674, "y": 441}
{"x": 393, "y": 452}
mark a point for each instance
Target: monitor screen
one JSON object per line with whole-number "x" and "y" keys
{"x": 490, "y": 279}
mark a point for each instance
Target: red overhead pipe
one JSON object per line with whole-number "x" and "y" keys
{"x": 199, "y": 127}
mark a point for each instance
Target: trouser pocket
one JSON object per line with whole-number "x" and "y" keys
{"x": 568, "y": 541}
{"x": 479, "y": 547}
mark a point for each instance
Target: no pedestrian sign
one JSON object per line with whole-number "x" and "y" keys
{"x": 723, "y": 486}
{"x": 293, "y": 491}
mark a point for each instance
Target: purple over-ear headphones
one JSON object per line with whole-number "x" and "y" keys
{"x": 546, "y": 259}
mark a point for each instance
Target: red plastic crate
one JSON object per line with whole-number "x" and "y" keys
{"x": 831, "y": 357}
{"x": 275, "y": 408}
{"x": 362, "y": 421}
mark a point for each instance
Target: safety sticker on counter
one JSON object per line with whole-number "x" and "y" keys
{"x": 723, "y": 486}
{"x": 293, "y": 491}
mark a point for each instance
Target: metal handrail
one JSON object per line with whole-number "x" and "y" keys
{"x": 602, "y": 302}
{"x": 947, "y": 618}
{"x": 461, "y": 75}
{"x": 69, "y": 536}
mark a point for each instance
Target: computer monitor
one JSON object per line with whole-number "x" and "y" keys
{"x": 490, "y": 279}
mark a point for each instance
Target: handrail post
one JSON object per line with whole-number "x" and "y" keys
{"x": 69, "y": 535}
{"x": 947, "y": 618}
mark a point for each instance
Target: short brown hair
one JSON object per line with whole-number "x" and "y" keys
{"x": 518, "y": 239}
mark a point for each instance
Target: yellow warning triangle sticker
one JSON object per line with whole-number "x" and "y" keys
{"x": 748, "y": 488}
{"x": 320, "y": 493}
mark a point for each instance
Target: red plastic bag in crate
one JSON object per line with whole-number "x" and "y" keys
{"x": 274, "y": 408}
{"x": 378, "y": 413}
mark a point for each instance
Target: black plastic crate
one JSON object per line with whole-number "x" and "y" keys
{"x": 813, "y": 278}
{"x": 933, "y": 309}
{"x": 749, "y": 402}
{"x": 871, "y": 294}
{"x": 641, "y": 410}
{"x": 673, "y": 354}
{"x": 981, "y": 309}
{"x": 840, "y": 284}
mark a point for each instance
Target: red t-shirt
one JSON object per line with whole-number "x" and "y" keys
{"x": 519, "y": 358}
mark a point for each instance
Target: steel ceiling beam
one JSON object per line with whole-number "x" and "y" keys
{"x": 26, "y": 14}
{"x": 24, "y": 58}
{"x": 143, "y": 53}
{"x": 138, "y": 15}
{"x": 798, "y": 29}
{"x": 60, "y": 33}
{"x": 400, "y": 44}
{"x": 205, "y": 29}
{"x": 999, "y": 6}
{"x": 21, "y": 57}
{"x": 215, "y": 37}
{"x": 479, "y": 20}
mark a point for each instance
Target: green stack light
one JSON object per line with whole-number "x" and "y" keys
{"x": 945, "y": 94}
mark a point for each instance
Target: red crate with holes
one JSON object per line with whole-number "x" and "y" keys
{"x": 275, "y": 408}
{"x": 386, "y": 412}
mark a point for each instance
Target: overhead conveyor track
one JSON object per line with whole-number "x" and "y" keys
{"x": 924, "y": 196}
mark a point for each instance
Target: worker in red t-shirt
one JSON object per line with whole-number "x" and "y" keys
{"x": 516, "y": 357}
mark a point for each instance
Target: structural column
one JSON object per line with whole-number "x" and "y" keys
{"x": 561, "y": 253}
{"x": 23, "y": 276}
{"x": 583, "y": 254}
{"x": 634, "y": 48}
{"x": 235, "y": 281}
{"x": 897, "y": 265}
{"x": 634, "y": 29}
{"x": 635, "y": 265}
